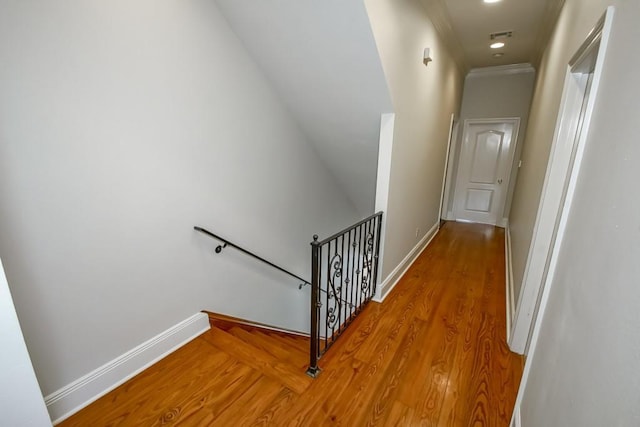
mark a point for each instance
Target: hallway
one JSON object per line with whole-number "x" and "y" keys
{"x": 434, "y": 353}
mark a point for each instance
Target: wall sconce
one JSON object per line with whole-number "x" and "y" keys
{"x": 427, "y": 56}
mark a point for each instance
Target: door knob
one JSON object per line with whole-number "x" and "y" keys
{"x": 500, "y": 181}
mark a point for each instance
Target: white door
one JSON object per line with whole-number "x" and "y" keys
{"x": 484, "y": 169}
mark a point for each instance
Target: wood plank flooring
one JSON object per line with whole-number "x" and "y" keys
{"x": 433, "y": 354}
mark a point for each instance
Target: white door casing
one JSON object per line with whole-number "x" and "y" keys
{"x": 486, "y": 159}
{"x": 577, "y": 103}
{"x": 572, "y": 128}
{"x": 21, "y": 400}
{"x": 444, "y": 193}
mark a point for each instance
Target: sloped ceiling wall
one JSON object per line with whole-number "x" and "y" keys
{"x": 123, "y": 125}
{"x": 321, "y": 58}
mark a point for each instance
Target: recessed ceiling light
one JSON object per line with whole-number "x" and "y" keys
{"x": 496, "y": 45}
{"x": 492, "y": 1}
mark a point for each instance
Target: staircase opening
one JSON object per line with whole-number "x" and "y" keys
{"x": 344, "y": 274}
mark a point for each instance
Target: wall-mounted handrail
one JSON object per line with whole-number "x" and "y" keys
{"x": 226, "y": 243}
{"x": 251, "y": 254}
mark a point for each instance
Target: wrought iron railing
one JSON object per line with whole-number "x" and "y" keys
{"x": 344, "y": 271}
{"x": 229, "y": 243}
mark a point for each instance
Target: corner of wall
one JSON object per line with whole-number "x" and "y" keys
{"x": 387, "y": 285}
{"x": 385, "y": 148}
{"x": 74, "y": 396}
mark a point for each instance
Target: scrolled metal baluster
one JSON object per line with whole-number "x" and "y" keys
{"x": 326, "y": 298}
{"x": 351, "y": 270}
{"x": 359, "y": 271}
{"x": 334, "y": 291}
{"x": 377, "y": 252}
{"x": 341, "y": 313}
{"x": 367, "y": 265}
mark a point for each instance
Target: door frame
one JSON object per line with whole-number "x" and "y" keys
{"x": 444, "y": 194}
{"x": 572, "y": 128}
{"x": 500, "y": 220}
{"x": 596, "y": 42}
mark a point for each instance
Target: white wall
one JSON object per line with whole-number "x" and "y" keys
{"x": 584, "y": 367}
{"x": 424, "y": 98}
{"x": 496, "y": 92}
{"x": 21, "y": 401}
{"x": 123, "y": 125}
{"x": 322, "y": 59}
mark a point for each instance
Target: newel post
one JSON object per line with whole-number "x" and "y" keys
{"x": 313, "y": 369}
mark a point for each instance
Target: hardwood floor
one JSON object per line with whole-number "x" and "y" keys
{"x": 433, "y": 354}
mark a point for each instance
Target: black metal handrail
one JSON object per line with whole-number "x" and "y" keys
{"x": 226, "y": 242}
{"x": 348, "y": 229}
{"x": 349, "y": 260}
{"x": 251, "y": 254}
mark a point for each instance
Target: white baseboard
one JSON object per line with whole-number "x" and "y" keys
{"x": 515, "y": 419}
{"x": 509, "y": 281}
{"x": 73, "y": 397}
{"x": 503, "y": 223}
{"x": 394, "y": 277}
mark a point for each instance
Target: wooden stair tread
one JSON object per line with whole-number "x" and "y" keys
{"x": 271, "y": 346}
{"x": 225, "y": 322}
{"x": 293, "y": 378}
{"x": 298, "y": 343}
{"x": 295, "y": 342}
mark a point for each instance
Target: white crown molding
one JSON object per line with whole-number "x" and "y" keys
{"x": 502, "y": 70}
{"x": 439, "y": 16}
{"x": 548, "y": 23}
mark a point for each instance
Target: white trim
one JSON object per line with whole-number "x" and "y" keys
{"x": 21, "y": 401}
{"x": 548, "y": 207}
{"x": 394, "y": 277}
{"x": 510, "y": 291}
{"x": 546, "y": 27}
{"x": 501, "y": 70}
{"x": 385, "y": 150}
{"x": 443, "y": 191}
{"x": 73, "y": 397}
{"x": 516, "y": 421}
{"x": 438, "y": 14}
{"x": 606, "y": 22}
{"x": 502, "y": 223}
{"x": 560, "y": 178}
{"x": 450, "y": 180}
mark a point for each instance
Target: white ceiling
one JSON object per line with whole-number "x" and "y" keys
{"x": 471, "y": 21}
